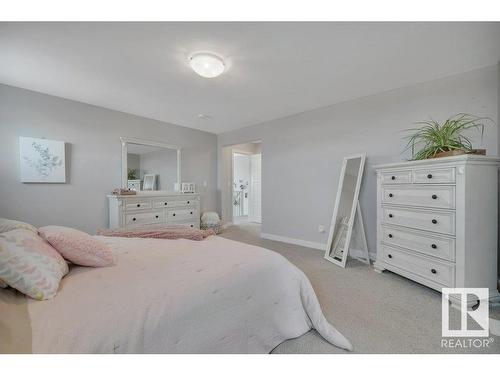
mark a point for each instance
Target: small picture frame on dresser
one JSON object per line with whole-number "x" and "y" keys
{"x": 149, "y": 182}
{"x": 188, "y": 188}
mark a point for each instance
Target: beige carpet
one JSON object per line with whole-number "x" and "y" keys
{"x": 379, "y": 313}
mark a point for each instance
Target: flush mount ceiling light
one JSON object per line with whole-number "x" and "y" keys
{"x": 207, "y": 65}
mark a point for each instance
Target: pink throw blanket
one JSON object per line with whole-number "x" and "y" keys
{"x": 159, "y": 231}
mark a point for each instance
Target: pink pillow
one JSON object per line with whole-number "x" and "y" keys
{"x": 77, "y": 247}
{"x": 30, "y": 265}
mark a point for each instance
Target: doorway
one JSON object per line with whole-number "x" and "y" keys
{"x": 246, "y": 187}
{"x": 242, "y": 203}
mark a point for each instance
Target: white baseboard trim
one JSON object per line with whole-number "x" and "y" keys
{"x": 294, "y": 241}
{"x": 312, "y": 245}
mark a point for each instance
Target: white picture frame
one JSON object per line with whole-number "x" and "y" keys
{"x": 42, "y": 160}
{"x": 149, "y": 182}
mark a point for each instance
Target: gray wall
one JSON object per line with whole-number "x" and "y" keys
{"x": 93, "y": 157}
{"x": 302, "y": 154}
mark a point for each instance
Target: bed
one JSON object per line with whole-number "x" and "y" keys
{"x": 170, "y": 296}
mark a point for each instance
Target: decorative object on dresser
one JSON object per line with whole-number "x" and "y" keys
{"x": 437, "y": 140}
{"x": 347, "y": 221}
{"x": 149, "y": 182}
{"x": 155, "y": 207}
{"x": 134, "y": 185}
{"x": 437, "y": 222}
{"x": 188, "y": 187}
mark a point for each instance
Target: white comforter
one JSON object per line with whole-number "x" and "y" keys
{"x": 172, "y": 296}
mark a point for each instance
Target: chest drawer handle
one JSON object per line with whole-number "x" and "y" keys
{"x": 389, "y": 255}
{"x": 138, "y": 205}
{"x": 434, "y": 221}
{"x": 393, "y": 177}
{"x": 192, "y": 225}
{"x": 434, "y": 271}
{"x": 434, "y": 246}
{"x": 390, "y": 215}
{"x": 157, "y": 216}
{"x": 391, "y": 195}
{"x": 191, "y": 212}
{"x": 173, "y": 214}
{"x": 434, "y": 196}
{"x": 188, "y": 202}
{"x": 133, "y": 219}
{"x": 165, "y": 203}
{"x": 390, "y": 235}
{"x": 429, "y": 176}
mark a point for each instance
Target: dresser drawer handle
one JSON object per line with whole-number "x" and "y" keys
{"x": 188, "y": 202}
{"x": 138, "y": 205}
{"x": 157, "y": 216}
{"x": 434, "y": 196}
{"x": 173, "y": 214}
{"x": 429, "y": 176}
{"x": 166, "y": 203}
{"x": 191, "y": 212}
{"x": 393, "y": 177}
{"x": 390, "y": 235}
{"x": 391, "y": 195}
{"x": 390, "y": 215}
{"x": 192, "y": 225}
{"x": 133, "y": 219}
{"x": 389, "y": 255}
{"x": 433, "y": 271}
{"x": 434, "y": 246}
{"x": 434, "y": 221}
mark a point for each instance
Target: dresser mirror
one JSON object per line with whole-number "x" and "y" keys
{"x": 150, "y": 165}
{"x": 346, "y": 211}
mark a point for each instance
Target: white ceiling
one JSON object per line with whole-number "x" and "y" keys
{"x": 275, "y": 69}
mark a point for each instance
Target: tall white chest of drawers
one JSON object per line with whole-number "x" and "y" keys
{"x": 437, "y": 222}
{"x": 128, "y": 211}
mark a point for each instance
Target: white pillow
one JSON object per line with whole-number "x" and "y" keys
{"x": 29, "y": 264}
{"x": 7, "y": 225}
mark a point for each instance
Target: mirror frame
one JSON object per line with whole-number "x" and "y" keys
{"x": 333, "y": 224}
{"x": 126, "y": 140}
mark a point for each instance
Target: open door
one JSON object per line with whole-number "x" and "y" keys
{"x": 254, "y": 204}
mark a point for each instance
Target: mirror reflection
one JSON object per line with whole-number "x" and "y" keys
{"x": 151, "y": 168}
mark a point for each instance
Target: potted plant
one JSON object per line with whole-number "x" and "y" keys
{"x": 434, "y": 140}
{"x": 131, "y": 174}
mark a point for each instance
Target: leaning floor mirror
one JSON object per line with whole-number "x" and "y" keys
{"x": 347, "y": 226}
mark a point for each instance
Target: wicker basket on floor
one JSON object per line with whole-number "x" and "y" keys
{"x": 217, "y": 228}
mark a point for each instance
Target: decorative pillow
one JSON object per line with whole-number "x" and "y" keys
{"x": 30, "y": 265}
{"x": 7, "y": 225}
{"x": 78, "y": 247}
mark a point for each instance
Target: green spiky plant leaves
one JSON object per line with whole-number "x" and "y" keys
{"x": 131, "y": 174}
{"x": 433, "y": 137}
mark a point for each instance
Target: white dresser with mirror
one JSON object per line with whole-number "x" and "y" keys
{"x": 171, "y": 208}
{"x": 437, "y": 222}
{"x": 153, "y": 170}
